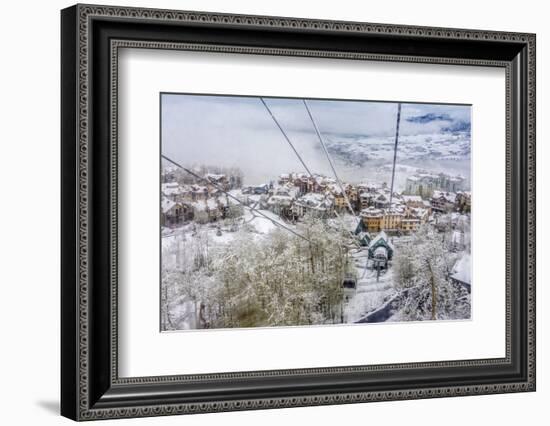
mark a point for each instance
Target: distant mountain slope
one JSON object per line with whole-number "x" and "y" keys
{"x": 359, "y": 150}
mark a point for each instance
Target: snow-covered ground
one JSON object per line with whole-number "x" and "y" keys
{"x": 260, "y": 224}
{"x": 373, "y": 288}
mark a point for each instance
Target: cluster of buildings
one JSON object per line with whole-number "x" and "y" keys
{"x": 425, "y": 184}
{"x": 296, "y": 194}
{"x": 293, "y": 195}
{"x": 204, "y": 202}
{"x": 406, "y": 213}
{"x": 381, "y": 213}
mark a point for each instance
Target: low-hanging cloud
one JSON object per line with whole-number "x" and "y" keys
{"x": 236, "y": 131}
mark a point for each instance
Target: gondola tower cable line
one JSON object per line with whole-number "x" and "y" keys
{"x": 329, "y": 158}
{"x": 395, "y": 150}
{"x": 348, "y": 281}
{"x": 286, "y": 136}
{"x": 301, "y": 159}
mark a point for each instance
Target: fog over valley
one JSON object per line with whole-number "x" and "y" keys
{"x": 231, "y": 131}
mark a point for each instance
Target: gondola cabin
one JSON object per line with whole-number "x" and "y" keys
{"x": 380, "y": 250}
{"x": 349, "y": 282}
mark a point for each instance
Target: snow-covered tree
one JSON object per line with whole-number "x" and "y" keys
{"x": 422, "y": 270}
{"x": 283, "y": 279}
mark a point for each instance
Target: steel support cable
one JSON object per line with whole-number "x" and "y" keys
{"x": 299, "y": 157}
{"x": 292, "y": 146}
{"x": 395, "y": 150}
{"x": 328, "y": 157}
{"x": 285, "y": 136}
{"x": 333, "y": 171}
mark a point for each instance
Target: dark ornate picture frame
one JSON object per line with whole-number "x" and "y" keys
{"x": 90, "y": 38}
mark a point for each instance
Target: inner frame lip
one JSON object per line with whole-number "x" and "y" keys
{"x": 116, "y": 44}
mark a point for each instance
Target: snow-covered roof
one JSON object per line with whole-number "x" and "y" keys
{"x": 412, "y": 198}
{"x": 312, "y": 197}
{"x": 462, "y": 270}
{"x": 281, "y": 191}
{"x": 362, "y": 235}
{"x": 214, "y": 176}
{"x": 166, "y": 204}
{"x": 283, "y": 200}
{"x": 395, "y": 210}
{"x": 285, "y": 190}
{"x": 171, "y": 188}
{"x": 448, "y": 196}
{"x": 419, "y": 211}
{"x": 371, "y": 212}
{"x": 315, "y": 201}
{"x": 381, "y": 236}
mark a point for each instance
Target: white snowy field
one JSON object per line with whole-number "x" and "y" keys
{"x": 359, "y": 149}
{"x": 257, "y": 223}
{"x": 362, "y": 157}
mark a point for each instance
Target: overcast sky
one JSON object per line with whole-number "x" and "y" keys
{"x": 238, "y": 131}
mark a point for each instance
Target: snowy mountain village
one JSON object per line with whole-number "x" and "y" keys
{"x": 307, "y": 249}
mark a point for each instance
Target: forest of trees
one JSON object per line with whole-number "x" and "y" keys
{"x": 421, "y": 270}
{"x": 248, "y": 282}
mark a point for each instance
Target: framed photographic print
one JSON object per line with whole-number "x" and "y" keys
{"x": 263, "y": 212}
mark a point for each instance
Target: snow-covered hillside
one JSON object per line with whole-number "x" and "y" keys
{"x": 358, "y": 150}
